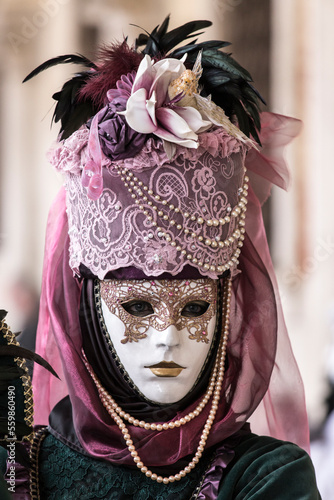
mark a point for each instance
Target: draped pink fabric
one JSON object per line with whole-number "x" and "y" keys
{"x": 282, "y": 412}
{"x": 257, "y": 329}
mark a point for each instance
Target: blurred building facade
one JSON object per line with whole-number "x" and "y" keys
{"x": 286, "y": 45}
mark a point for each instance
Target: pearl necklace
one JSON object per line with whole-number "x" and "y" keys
{"x": 214, "y": 387}
{"x": 136, "y": 188}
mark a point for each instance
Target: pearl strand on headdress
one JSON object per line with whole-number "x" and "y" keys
{"x": 219, "y": 365}
{"x": 238, "y": 211}
{"x": 134, "y": 184}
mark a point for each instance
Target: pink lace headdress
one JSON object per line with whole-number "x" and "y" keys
{"x": 158, "y": 176}
{"x": 157, "y": 179}
{"x": 154, "y": 213}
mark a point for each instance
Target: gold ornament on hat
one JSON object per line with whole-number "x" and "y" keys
{"x": 187, "y": 85}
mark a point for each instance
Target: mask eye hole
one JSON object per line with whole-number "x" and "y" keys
{"x": 195, "y": 308}
{"x": 138, "y": 307}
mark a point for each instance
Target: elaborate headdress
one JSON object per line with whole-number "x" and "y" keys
{"x": 160, "y": 204}
{"x": 153, "y": 146}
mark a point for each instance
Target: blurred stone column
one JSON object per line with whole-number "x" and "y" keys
{"x": 302, "y": 86}
{"x": 246, "y": 25}
{"x": 32, "y": 32}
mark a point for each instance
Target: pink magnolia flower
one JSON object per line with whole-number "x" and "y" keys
{"x": 149, "y": 110}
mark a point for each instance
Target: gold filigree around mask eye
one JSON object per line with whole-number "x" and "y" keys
{"x": 167, "y": 298}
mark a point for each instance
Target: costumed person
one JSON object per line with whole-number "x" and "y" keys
{"x": 159, "y": 307}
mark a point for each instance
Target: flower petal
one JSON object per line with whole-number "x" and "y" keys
{"x": 170, "y": 137}
{"x": 145, "y": 75}
{"x": 136, "y": 113}
{"x": 174, "y": 123}
{"x": 150, "y": 106}
{"x": 174, "y": 65}
{"x": 193, "y": 117}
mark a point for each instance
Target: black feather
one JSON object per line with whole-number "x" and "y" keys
{"x": 223, "y": 78}
{"x": 218, "y": 79}
{"x": 196, "y": 47}
{"x": 253, "y": 132}
{"x": 151, "y": 40}
{"x": 160, "y": 41}
{"x": 217, "y": 59}
{"x": 178, "y": 35}
{"x": 251, "y": 109}
{"x": 70, "y": 110}
{"x": 21, "y": 352}
{"x": 243, "y": 122}
{"x": 256, "y": 93}
{"x": 65, "y": 59}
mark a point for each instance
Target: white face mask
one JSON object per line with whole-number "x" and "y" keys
{"x": 162, "y": 331}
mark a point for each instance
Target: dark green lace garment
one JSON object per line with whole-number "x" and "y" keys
{"x": 263, "y": 468}
{"x": 68, "y": 475}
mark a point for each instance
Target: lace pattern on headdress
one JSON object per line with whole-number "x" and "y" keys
{"x": 71, "y": 155}
{"x": 113, "y": 232}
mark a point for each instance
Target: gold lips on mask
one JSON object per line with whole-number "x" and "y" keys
{"x": 167, "y": 298}
{"x": 166, "y": 369}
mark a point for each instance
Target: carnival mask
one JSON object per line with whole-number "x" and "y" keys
{"x": 162, "y": 331}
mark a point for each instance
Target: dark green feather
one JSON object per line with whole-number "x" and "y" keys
{"x": 217, "y": 59}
